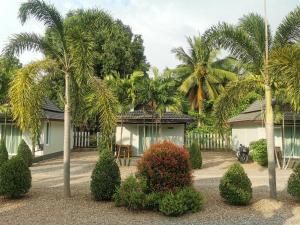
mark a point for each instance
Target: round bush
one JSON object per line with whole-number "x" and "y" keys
{"x": 15, "y": 178}
{"x": 3, "y": 153}
{"x": 195, "y": 156}
{"x": 105, "y": 177}
{"x": 165, "y": 166}
{"x": 131, "y": 194}
{"x": 258, "y": 152}
{"x": 183, "y": 201}
{"x": 293, "y": 187}
{"x": 235, "y": 186}
{"x": 24, "y": 152}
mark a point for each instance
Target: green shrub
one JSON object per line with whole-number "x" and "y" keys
{"x": 3, "y": 153}
{"x": 24, "y": 152}
{"x": 235, "y": 186}
{"x": 293, "y": 187}
{"x": 195, "y": 156}
{"x": 131, "y": 193}
{"x": 15, "y": 178}
{"x": 152, "y": 201}
{"x": 258, "y": 152}
{"x": 185, "y": 200}
{"x": 166, "y": 167}
{"x": 105, "y": 177}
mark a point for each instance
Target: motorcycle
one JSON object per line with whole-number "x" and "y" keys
{"x": 242, "y": 153}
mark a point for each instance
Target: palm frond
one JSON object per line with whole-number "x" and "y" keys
{"x": 101, "y": 102}
{"x": 19, "y": 43}
{"x": 234, "y": 92}
{"x": 237, "y": 41}
{"x": 182, "y": 56}
{"x": 26, "y": 96}
{"x": 43, "y": 12}
{"x": 254, "y": 25}
{"x": 285, "y": 70}
{"x": 289, "y": 30}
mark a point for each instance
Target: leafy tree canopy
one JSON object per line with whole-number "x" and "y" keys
{"x": 116, "y": 48}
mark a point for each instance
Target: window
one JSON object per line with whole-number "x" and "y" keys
{"x": 47, "y": 133}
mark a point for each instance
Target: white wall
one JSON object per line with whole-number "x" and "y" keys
{"x": 129, "y": 136}
{"x": 245, "y": 134}
{"x": 56, "y": 137}
{"x": 172, "y": 132}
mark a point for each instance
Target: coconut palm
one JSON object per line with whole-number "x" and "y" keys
{"x": 72, "y": 54}
{"x": 250, "y": 42}
{"x": 203, "y": 78}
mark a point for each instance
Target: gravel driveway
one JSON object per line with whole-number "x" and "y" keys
{"x": 45, "y": 203}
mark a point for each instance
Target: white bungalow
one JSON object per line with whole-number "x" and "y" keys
{"x": 51, "y": 139}
{"x": 142, "y": 128}
{"x": 249, "y": 126}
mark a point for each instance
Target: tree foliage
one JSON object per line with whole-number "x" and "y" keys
{"x": 115, "y": 47}
{"x": 204, "y": 79}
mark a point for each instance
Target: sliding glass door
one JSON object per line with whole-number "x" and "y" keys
{"x": 147, "y": 136}
{"x": 12, "y": 136}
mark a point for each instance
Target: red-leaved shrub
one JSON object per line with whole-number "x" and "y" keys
{"x": 166, "y": 167}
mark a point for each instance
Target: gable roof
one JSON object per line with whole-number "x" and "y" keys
{"x": 51, "y": 111}
{"x": 255, "y": 114}
{"x": 140, "y": 116}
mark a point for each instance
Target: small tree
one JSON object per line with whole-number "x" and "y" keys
{"x": 105, "y": 177}
{"x": 235, "y": 186}
{"x": 3, "y": 153}
{"x": 195, "y": 156}
{"x": 293, "y": 187}
{"x": 15, "y": 178}
{"x": 25, "y": 153}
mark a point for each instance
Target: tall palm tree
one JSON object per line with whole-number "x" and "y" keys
{"x": 204, "y": 79}
{"x": 72, "y": 53}
{"x": 250, "y": 42}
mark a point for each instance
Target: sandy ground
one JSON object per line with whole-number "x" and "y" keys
{"x": 45, "y": 203}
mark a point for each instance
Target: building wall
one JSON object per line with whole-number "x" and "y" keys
{"x": 245, "y": 134}
{"x": 132, "y": 132}
{"x": 129, "y": 136}
{"x": 56, "y": 137}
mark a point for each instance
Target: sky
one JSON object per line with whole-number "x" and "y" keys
{"x": 163, "y": 24}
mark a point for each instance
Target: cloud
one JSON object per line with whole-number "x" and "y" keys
{"x": 163, "y": 24}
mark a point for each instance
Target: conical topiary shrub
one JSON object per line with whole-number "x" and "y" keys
{"x": 195, "y": 156}
{"x": 15, "y": 178}
{"x": 293, "y": 187}
{"x": 105, "y": 177}
{"x": 3, "y": 153}
{"x": 235, "y": 186}
{"x": 24, "y": 152}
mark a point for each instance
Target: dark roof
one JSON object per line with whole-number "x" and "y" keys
{"x": 255, "y": 114}
{"x": 139, "y": 116}
{"x": 51, "y": 111}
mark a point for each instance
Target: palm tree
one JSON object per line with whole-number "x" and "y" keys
{"x": 250, "y": 42}
{"x": 204, "y": 79}
{"x": 72, "y": 53}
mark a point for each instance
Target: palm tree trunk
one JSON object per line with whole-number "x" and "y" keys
{"x": 269, "y": 117}
{"x": 67, "y": 123}
{"x": 33, "y": 142}
{"x": 270, "y": 142}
